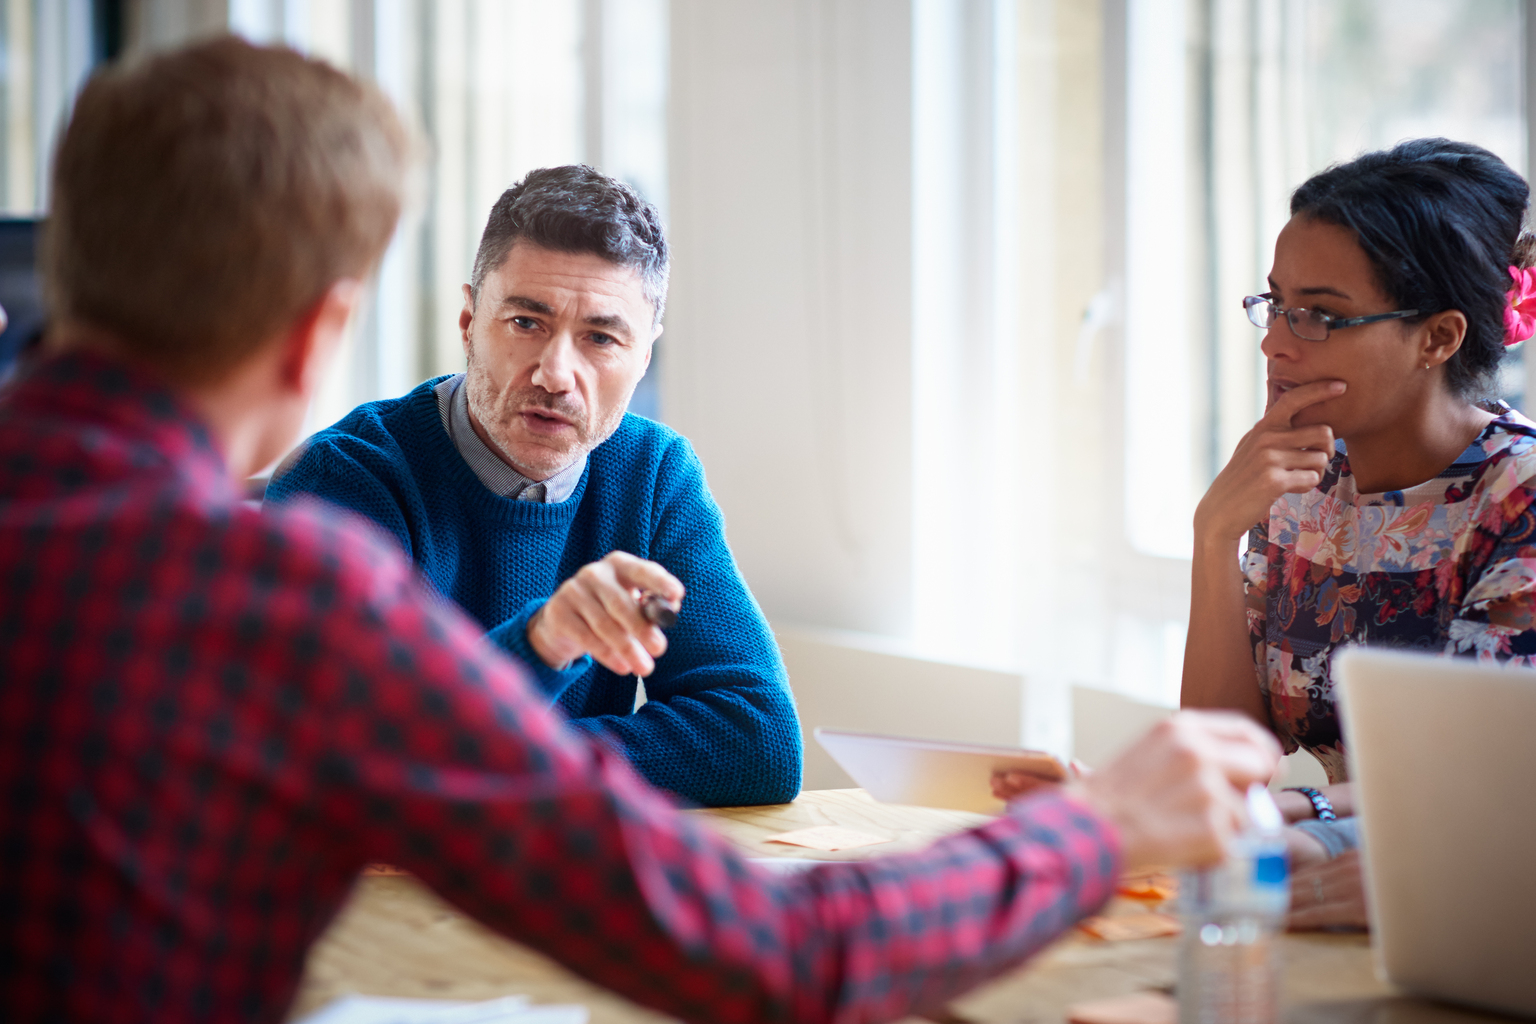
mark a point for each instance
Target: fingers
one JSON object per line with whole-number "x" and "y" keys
{"x": 1308, "y": 448}
{"x": 1298, "y": 398}
{"x": 1285, "y": 458}
{"x": 1224, "y": 817}
{"x": 1177, "y": 794}
{"x": 572, "y": 623}
{"x": 1317, "y": 438}
{"x": 639, "y": 574}
{"x": 1231, "y": 743}
{"x": 597, "y": 612}
{"x": 1273, "y": 458}
{"x": 1329, "y": 895}
{"x": 619, "y": 638}
{"x": 1290, "y": 473}
{"x": 1010, "y": 784}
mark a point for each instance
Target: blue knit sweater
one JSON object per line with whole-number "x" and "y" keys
{"x": 719, "y": 727}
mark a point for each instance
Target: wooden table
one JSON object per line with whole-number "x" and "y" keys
{"x": 394, "y": 937}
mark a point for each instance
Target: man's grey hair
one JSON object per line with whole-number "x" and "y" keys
{"x": 578, "y": 209}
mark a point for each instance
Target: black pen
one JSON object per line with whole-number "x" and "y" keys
{"x": 658, "y": 610}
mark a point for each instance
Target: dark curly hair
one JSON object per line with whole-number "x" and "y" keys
{"x": 1441, "y": 223}
{"x": 577, "y": 208}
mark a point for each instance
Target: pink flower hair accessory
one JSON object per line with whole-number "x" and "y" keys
{"x": 1520, "y": 313}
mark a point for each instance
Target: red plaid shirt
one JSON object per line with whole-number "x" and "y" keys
{"x": 212, "y": 716}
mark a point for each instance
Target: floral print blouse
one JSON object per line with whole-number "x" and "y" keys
{"x": 1446, "y": 566}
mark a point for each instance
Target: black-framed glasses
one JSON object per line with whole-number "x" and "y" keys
{"x": 1309, "y": 323}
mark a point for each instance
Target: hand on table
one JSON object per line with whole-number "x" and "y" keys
{"x": 1272, "y": 459}
{"x": 1012, "y": 783}
{"x": 1328, "y": 894}
{"x": 1177, "y": 795}
{"x": 597, "y": 612}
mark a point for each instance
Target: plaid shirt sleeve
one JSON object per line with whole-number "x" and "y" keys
{"x": 431, "y": 752}
{"x": 211, "y": 717}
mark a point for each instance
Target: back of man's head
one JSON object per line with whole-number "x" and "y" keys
{"x": 577, "y": 209}
{"x": 205, "y": 199}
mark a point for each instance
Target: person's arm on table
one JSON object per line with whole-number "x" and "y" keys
{"x": 1496, "y": 620}
{"x": 1296, "y": 806}
{"x": 1272, "y": 459}
{"x": 719, "y": 726}
{"x": 440, "y": 759}
{"x": 1329, "y": 893}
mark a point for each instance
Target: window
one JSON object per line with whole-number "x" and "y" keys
{"x": 1271, "y": 92}
{"x": 1228, "y": 106}
{"x": 48, "y": 49}
{"x": 498, "y": 88}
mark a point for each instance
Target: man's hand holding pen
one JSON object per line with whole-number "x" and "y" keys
{"x": 612, "y": 609}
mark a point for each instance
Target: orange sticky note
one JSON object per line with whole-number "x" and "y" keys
{"x": 827, "y": 837}
{"x": 1130, "y": 926}
{"x": 1139, "y": 1008}
{"x": 386, "y": 870}
{"x": 1151, "y": 888}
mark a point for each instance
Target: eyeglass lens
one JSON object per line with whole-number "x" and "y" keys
{"x": 1307, "y": 323}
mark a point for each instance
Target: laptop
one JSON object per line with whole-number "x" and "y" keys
{"x": 1443, "y": 755}
{"x": 932, "y": 773}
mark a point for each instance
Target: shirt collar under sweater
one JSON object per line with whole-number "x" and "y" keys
{"x": 492, "y": 471}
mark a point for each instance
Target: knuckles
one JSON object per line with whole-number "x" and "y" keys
{"x": 1275, "y": 478}
{"x": 1183, "y": 739}
{"x": 592, "y": 572}
{"x": 1184, "y": 759}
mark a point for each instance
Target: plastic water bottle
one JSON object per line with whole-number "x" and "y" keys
{"x": 1229, "y": 969}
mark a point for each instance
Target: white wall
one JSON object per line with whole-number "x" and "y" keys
{"x": 843, "y": 336}
{"x": 788, "y": 338}
{"x": 859, "y": 681}
{"x": 842, "y": 340}
{"x": 157, "y": 24}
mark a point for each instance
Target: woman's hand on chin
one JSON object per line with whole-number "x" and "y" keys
{"x": 1272, "y": 459}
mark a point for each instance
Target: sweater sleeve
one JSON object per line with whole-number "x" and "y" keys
{"x": 338, "y": 469}
{"x": 512, "y": 637}
{"x": 719, "y": 726}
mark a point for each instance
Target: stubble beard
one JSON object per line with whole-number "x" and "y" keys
{"x": 497, "y": 413}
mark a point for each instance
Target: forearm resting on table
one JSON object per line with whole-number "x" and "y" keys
{"x": 1298, "y": 807}
{"x": 1218, "y": 660}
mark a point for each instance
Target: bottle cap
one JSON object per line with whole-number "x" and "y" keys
{"x": 1263, "y": 815}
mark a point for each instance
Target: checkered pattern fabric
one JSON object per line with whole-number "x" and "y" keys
{"x": 211, "y": 717}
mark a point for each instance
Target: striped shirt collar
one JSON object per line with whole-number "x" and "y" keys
{"x": 493, "y": 472}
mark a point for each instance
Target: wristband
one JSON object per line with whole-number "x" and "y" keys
{"x": 1320, "y": 803}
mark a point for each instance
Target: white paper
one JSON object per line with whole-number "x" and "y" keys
{"x": 392, "y": 1010}
{"x": 791, "y": 865}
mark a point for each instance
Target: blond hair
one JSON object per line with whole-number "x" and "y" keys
{"x": 205, "y": 199}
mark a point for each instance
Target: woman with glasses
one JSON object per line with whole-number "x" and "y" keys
{"x": 1387, "y": 494}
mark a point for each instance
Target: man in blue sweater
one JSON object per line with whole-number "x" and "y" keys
{"x": 524, "y": 492}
